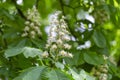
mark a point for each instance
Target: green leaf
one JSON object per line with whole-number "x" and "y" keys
{"x": 93, "y": 58}
{"x": 13, "y": 51}
{"x": 31, "y": 52}
{"x": 5, "y": 13}
{"x": 58, "y": 75}
{"x": 14, "y": 21}
{"x": 34, "y": 73}
{"x": 27, "y": 51}
{"x": 23, "y": 42}
{"x": 99, "y": 39}
{"x": 81, "y": 76}
{"x": 76, "y": 60}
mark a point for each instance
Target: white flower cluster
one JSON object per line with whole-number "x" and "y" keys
{"x": 58, "y": 36}
{"x": 32, "y": 24}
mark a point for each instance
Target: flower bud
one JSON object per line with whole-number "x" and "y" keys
{"x": 26, "y": 28}
{"x": 32, "y": 24}
{"x": 66, "y": 38}
{"x": 32, "y": 33}
{"x": 70, "y": 55}
{"x": 54, "y": 47}
{"x": 63, "y": 53}
{"x": 27, "y": 22}
{"x": 24, "y": 34}
{"x": 59, "y": 42}
{"x": 45, "y": 54}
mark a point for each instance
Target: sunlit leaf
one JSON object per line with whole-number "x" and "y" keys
{"x": 31, "y": 52}
{"x": 13, "y": 52}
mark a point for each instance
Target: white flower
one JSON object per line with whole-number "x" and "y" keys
{"x": 47, "y": 45}
{"x": 53, "y": 47}
{"x": 58, "y": 36}
{"x": 63, "y": 26}
{"x": 27, "y": 22}
{"x": 54, "y": 29}
{"x": 103, "y": 76}
{"x": 32, "y": 33}
{"x": 45, "y": 54}
{"x": 51, "y": 39}
{"x": 31, "y": 28}
{"x": 32, "y": 24}
{"x": 66, "y": 38}
{"x": 36, "y": 28}
{"x": 39, "y": 33}
{"x": 24, "y": 34}
{"x": 29, "y": 17}
{"x": 70, "y": 55}
{"x": 26, "y": 28}
{"x": 67, "y": 46}
{"x": 59, "y": 42}
{"x": 63, "y": 53}
{"x": 61, "y": 33}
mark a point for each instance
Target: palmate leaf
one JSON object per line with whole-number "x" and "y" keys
{"x": 34, "y": 73}
{"x": 27, "y": 51}
{"x": 58, "y": 75}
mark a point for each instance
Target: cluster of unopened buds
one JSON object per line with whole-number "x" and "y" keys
{"x": 32, "y": 24}
{"x": 101, "y": 72}
{"x": 58, "y": 38}
{"x": 104, "y": 72}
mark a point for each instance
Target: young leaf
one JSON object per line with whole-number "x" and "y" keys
{"x": 31, "y": 52}
{"x": 13, "y": 51}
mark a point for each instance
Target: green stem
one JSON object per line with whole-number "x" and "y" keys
{"x": 42, "y": 62}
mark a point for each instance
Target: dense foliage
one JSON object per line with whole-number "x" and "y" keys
{"x": 59, "y": 39}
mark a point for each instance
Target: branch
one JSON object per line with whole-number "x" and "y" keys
{"x": 62, "y": 6}
{"x": 19, "y": 11}
{"x": 36, "y": 4}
